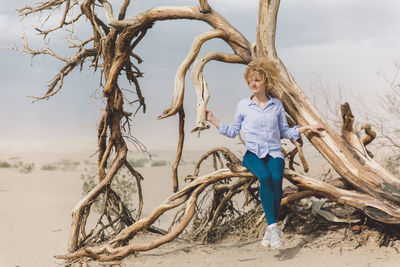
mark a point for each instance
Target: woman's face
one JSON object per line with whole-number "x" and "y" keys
{"x": 257, "y": 83}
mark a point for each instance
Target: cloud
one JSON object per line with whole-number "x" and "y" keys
{"x": 345, "y": 41}
{"x": 310, "y": 22}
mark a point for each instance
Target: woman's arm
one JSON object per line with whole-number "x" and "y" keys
{"x": 288, "y": 132}
{"x": 284, "y": 129}
{"x": 231, "y": 130}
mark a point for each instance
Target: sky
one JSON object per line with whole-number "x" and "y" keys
{"x": 344, "y": 43}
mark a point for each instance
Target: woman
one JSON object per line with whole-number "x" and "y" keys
{"x": 263, "y": 121}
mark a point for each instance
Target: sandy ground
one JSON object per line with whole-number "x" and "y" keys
{"x": 296, "y": 251}
{"x": 35, "y": 222}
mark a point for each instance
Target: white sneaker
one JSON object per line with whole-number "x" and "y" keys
{"x": 266, "y": 241}
{"x": 280, "y": 232}
{"x": 275, "y": 237}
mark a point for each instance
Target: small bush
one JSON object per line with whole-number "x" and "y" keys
{"x": 89, "y": 181}
{"x": 67, "y": 164}
{"x": 88, "y": 162}
{"x": 23, "y": 167}
{"x": 49, "y": 167}
{"x": 139, "y": 163}
{"x": 122, "y": 184}
{"x": 27, "y": 167}
{"x": 63, "y": 164}
{"x": 159, "y": 163}
{"x": 5, "y": 164}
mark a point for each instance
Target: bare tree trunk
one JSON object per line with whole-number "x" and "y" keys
{"x": 353, "y": 165}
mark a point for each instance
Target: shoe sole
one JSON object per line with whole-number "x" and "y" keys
{"x": 265, "y": 244}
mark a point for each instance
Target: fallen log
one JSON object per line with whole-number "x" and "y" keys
{"x": 373, "y": 208}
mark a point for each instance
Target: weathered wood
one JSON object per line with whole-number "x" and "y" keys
{"x": 179, "y": 88}
{"x": 375, "y": 209}
{"x": 179, "y": 150}
{"x": 78, "y": 210}
{"x": 187, "y": 194}
{"x": 358, "y": 169}
{"x": 204, "y": 6}
{"x": 348, "y": 131}
{"x": 201, "y": 87}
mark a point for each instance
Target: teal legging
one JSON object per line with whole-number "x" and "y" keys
{"x": 269, "y": 172}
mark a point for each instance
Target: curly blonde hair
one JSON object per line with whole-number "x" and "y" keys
{"x": 265, "y": 68}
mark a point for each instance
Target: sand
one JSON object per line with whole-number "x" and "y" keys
{"x": 35, "y": 223}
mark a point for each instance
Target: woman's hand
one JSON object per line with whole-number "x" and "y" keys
{"x": 209, "y": 115}
{"x": 211, "y": 118}
{"x": 315, "y": 128}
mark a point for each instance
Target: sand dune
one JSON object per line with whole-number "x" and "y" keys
{"x": 35, "y": 220}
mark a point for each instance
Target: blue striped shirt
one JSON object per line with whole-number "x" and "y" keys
{"x": 262, "y": 128}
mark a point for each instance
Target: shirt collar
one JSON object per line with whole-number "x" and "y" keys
{"x": 272, "y": 100}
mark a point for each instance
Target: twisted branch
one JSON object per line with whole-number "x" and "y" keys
{"x": 178, "y": 150}
{"x": 201, "y": 87}
{"x": 234, "y": 38}
{"x": 90, "y": 197}
{"x": 62, "y": 23}
{"x": 179, "y": 89}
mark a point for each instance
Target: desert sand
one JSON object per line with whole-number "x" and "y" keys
{"x": 35, "y": 222}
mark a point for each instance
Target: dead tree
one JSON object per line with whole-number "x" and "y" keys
{"x": 110, "y": 50}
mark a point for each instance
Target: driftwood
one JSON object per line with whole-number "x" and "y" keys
{"x": 110, "y": 50}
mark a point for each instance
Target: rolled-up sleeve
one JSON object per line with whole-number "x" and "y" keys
{"x": 233, "y": 129}
{"x": 284, "y": 128}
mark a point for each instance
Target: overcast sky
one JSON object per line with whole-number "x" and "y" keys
{"x": 345, "y": 42}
